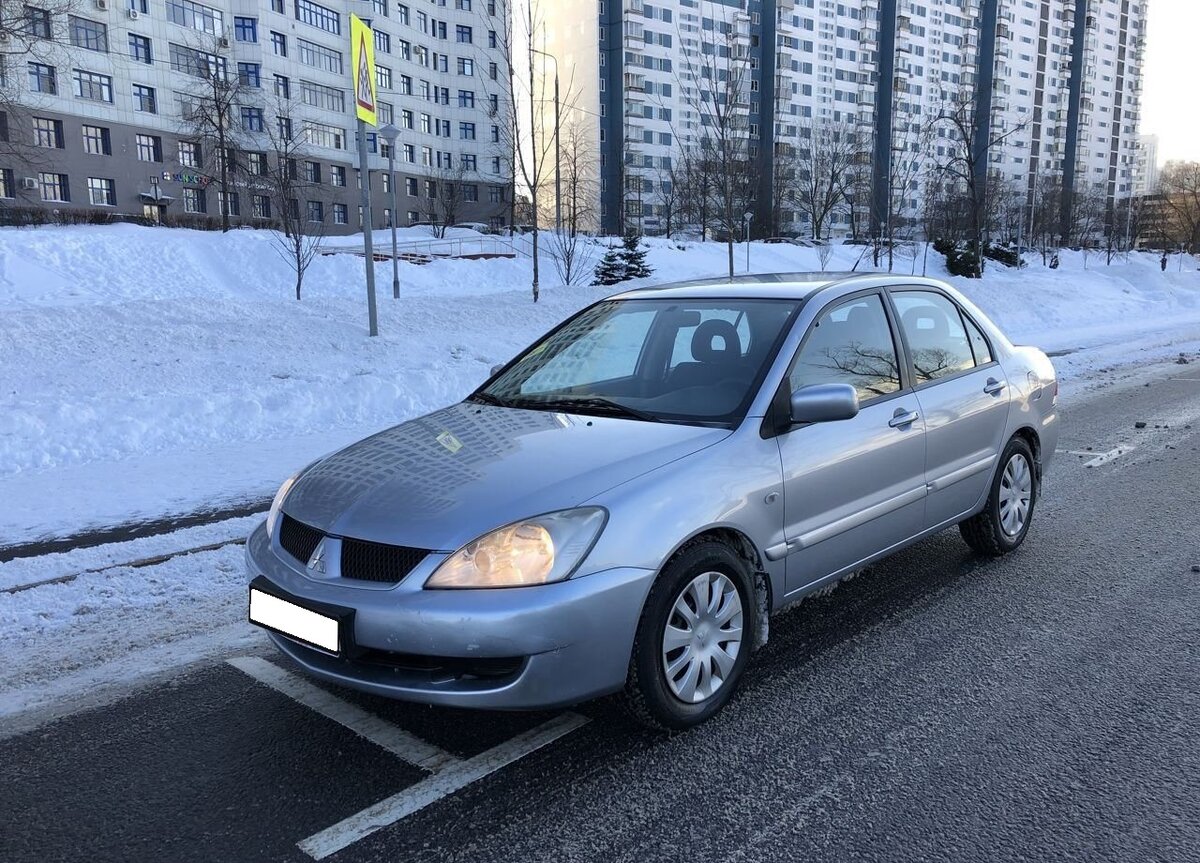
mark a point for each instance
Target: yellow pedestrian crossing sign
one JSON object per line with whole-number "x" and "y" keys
{"x": 362, "y": 62}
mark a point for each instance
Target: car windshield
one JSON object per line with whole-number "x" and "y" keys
{"x": 665, "y": 360}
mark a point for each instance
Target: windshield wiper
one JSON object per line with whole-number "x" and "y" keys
{"x": 599, "y": 404}
{"x": 488, "y": 399}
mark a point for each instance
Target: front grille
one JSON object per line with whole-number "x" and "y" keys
{"x": 298, "y": 539}
{"x": 373, "y": 561}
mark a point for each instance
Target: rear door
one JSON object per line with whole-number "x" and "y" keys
{"x": 855, "y": 487}
{"x": 963, "y": 395}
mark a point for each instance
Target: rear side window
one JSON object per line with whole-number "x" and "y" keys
{"x": 979, "y": 345}
{"x": 936, "y": 336}
{"x": 850, "y": 344}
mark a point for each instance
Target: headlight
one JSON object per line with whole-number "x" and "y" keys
{"x": 532, "y": 551}
{"x": 273, "y": 513}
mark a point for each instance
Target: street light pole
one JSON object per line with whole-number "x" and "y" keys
{"x": 749, "y": 217}
{"x": 390, "y": 133}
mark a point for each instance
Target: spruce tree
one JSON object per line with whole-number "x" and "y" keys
{"x": 611, "y": 268}
{"x": 634, "y": 258}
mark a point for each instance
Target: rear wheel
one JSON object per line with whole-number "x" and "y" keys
{"x": 694, "y": 638}
{"x": 1003, "y": 523}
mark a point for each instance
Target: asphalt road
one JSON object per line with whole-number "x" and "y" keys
{"x": 940, "y": 707}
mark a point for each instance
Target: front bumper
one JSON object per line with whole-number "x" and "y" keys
{"x": 549, "y": 646}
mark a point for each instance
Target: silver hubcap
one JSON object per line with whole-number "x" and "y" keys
{"x": 1016, "y": 490}
{"x": 702, "y": 637}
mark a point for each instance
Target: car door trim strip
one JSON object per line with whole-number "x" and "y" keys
{"x": 849, "y": 522}
{"x": 962, "y": 473}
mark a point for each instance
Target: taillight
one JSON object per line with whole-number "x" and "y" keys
{"x": 1054, "y": 396}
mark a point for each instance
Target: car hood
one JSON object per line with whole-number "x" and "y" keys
{"x": 441, "y": 480}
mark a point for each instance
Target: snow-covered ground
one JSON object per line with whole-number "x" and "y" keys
{"x": 148, "y": 372}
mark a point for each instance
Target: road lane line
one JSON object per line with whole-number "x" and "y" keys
{"x": 382, "y": 733}
{"x": 1105, "y": 458}
{"x": 441, "y": 784}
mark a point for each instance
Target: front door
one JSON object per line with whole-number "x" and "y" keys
{"x": 854, "y": 487}
{"x": 963, "y": 395}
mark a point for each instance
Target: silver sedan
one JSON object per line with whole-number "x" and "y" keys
{"x": 622, "y": 506}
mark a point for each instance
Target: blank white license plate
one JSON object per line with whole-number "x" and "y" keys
{"x": 291, "y": 619}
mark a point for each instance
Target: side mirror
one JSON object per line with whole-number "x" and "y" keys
{"x": 496, "y": 368}
{"x": 824, "y": 403}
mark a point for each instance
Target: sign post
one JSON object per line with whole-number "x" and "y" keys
{"x": 362, "y": 62}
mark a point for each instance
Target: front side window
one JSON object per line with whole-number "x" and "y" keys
{"x": 690, "y": 361}
{"x": 850, "y": 344}
{"x": 936, "y": 336}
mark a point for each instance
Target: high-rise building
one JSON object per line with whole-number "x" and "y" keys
{"x": 177, "y": 108}
{"x": 1036, "y": 101}
{"x": 1145, "y": 169}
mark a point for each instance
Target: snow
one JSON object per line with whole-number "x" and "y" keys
{"x": 147, "y": 372}
{"x": 151, "y": 371}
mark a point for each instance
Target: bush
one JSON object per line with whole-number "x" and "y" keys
{"x": 1009, "y": 256}
{"x": 960, "y": 260}
{"x": 611, "y": 269}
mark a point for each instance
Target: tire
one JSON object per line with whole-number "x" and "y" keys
{"x": 1004, "y": 522}
{"x": 665, "y": 689}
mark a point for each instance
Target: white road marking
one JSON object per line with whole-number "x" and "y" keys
{"x": 441, "y": 784}
{"x": 395, "y": 740}
{"x": 1105, "y": 458}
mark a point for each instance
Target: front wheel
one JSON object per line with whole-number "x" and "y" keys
{"x": 694, "y": 638}
{"x": 1004, "y": 521}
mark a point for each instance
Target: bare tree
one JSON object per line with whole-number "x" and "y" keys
{"x": 826, "y": 154}
{"x": 718, "y": 84}
{"x": 299, "y": 230}
{"x": 1180, "y": 185}
{"x": 580, "y": 181}
{"x": 450, "y": 189}
{"x": 212, "y": 103}
{"x": 966, "y": 159}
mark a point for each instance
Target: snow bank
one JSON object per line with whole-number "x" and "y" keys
{"x": 145, "y": 370}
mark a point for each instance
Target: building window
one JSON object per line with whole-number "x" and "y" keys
{"x": 339, "y": 214}
{"x": 320, "y": 135}
{"x": 319, "y": 57}
{"x": 495, "y": 134}
{"x": 312, "y": 172}
{"x": 86, "y": 33}
{"x": 406, "y": 118}
{"x": 245, "y": 29}
{"x": 260, "y": 206}
{"x": 466, "y": 98}
{"x": 383, "y": 42}
{"x": 93, "y": 86}
{"x": 48, "y": 133}
{"x": 469, "y": 162}
{"x": 139, "y": 48}
{"x": 316, "y": 211}
{"x": 189, "y": 154}
{"x": 386, "y": 112}
{"x": 494, "y": 196}
{"x": 194, "y": 201}
{"x": 198, "y": 64}
{"x": 316, "y": 15}
{"x": 283, "y": 87}
{"x": 406, "y": 85}
{"x": 228, "y": 203}
{"x": 426, "y": 124}
{"x": 462, "y": 33}
{"x": 149, "y": 148}
{"x": 337, "y": 175}
{"x": 277, "y": 6}
{"x": 279, "y": 44}
{"x": 250, "y": 75}
{"x": 466, "y": 66}
{"x": 102, "y": 192}
{"x": 470, "y": 192}
{"x": 387, "y": 182}
{"x": 54, "y": 187}
{"x": 320, "y": 96}
{"x": 43, "y": 78}
{"x": 410, "y": 186}
{"x": 283, "y": 128}
{"x": 144, "y": 99}
{"x": 383, "y": 77}
{"x": 462, "y": 5}
{"x": 256, "y": 163}
{"x": 142, "y": 6}
{"x": 495, "y": 164}
{"x": 7, "y": 183}
{"x": 196, "y": 16}
{"x": 37, "y": 22}
{"x": 466, "y": 131}
{"x": 431, "y": 189}
{"x": 402, "y": 13}
{"x": 96, "y": 140}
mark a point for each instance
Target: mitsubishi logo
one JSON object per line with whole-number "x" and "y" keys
{"x": 317, "y": 562}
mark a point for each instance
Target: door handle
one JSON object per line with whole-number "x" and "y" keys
{"x": 903, "y": 418}
{"x": 993, "y": 386}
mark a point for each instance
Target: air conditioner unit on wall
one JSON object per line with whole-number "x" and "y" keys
{"x": 223, "y": 41}
{"x": 29, "y": 183}
{"x": 133, "y": 14}
{"x": 102, "y": 5}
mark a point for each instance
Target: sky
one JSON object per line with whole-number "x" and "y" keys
{"x": 1170, "y": 108}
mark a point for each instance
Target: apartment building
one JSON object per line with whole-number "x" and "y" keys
{"x": 1145, "y": 169}
{"x": 106, "y": 101}
{"x": 1049, "y": 90}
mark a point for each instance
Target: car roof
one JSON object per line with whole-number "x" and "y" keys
{"x": 792, "y": 286}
